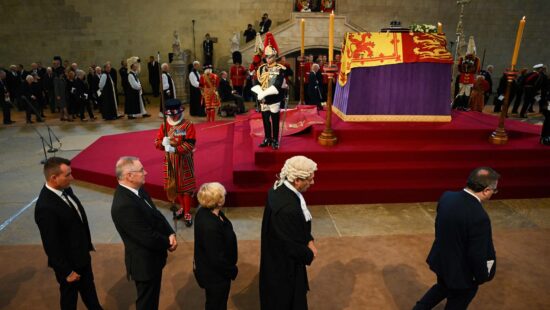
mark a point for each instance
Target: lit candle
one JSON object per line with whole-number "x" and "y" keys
{"x": 439, "y": 28}
{"x": 518, "y": 42}
{"x": 302, "y": 30}
{"x": 331, "y": 38}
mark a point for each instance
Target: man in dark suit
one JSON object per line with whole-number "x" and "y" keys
{"x": 66, "y": 235}
{"x": 462, "y": 255}
{"x": 154, "y": 78}
{"x": 144, "y": 230}
{"x": 286, "y": 242}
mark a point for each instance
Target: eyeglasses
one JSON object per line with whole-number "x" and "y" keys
{"x": 140, "y": 170}
{"x": 495, "y": 190}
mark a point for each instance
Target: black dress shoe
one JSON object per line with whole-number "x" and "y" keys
{"x": 131, "y": 117}
{"x": 265, "y": 143}
{"x": 275, "y": 145}
{"x": 9, "y": 122}
{"x": 146, "y": 115}
{"x": 29, "y": 121}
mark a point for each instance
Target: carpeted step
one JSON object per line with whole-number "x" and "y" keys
{"x": 406, "y": 169}
{"x": 357, "y": 192}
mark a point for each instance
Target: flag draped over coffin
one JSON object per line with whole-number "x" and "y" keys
{"x": 370, "y": 49}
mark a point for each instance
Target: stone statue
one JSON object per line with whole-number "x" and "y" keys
{"x": 176, "y": 46}
{"x": 235, "y": 42}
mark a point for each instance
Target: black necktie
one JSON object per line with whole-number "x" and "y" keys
{"x": 142, "y": 196}
{"x": 64, "y": 193}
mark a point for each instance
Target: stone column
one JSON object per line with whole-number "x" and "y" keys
{"x": 180, "y": 74}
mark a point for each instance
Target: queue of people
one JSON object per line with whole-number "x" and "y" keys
{"x": 462, "y": 256}
{"x": 70, "y": 92}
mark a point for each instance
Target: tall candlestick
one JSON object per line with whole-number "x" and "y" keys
{"x": 439, "y": 28}
{"x": 518, "y": 42}
{"x": 302, "y": 30}
{"x": 331, "y": 38}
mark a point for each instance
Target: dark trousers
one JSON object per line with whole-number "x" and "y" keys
{"x": 517, "y": 102}
{"x": 456, "y": 299}
{"x": 269, "y": 125}
{"x": 239, "y": 90}
{"x": 217, "y": 295}
{"x": 6, "y": 109}
{"x": 85, "y": 286}
{"x": 528, "y": 100}
{"x": 85, "y": 105}
{"x": 148, "y": 293}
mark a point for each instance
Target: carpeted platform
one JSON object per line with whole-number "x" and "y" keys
{"x": 372, "y": 163}
{"x": 378, "y": 272}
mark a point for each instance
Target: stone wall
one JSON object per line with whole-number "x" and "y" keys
{"x": 99, "y": 30}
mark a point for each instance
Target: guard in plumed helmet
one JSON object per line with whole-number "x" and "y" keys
{"x": 270, "y": 81}
{"x": 177, "y": 139}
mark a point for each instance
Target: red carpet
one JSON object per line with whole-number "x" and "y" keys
{"x": 372, "y": 163}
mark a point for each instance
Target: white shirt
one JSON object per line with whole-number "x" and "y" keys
{"x": 165, "y": 85}
{"x": 60, "y": 194}
{"x": 305, "y": 210}
{"x": 135, "y": 191}
{"x": 467, "y": 191}
{"x": 102, "y": 81}
{"x": 193, "y": 79}
{"x": 135, "y": 84}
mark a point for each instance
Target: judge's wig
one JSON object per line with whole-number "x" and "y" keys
{"x": 296, "y": 167}
{"x": 211, "y": 195}
{"x": 134, "y": 60}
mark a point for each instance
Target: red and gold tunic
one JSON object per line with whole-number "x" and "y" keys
{"x": 238, "y": 75}
{"x": 209, "y": 87}
{"x": 183, "y": 133}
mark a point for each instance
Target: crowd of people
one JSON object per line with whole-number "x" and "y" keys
{"x": 72, "y": 93}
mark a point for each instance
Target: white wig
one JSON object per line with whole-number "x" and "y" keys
{"x": 296, "y": 167}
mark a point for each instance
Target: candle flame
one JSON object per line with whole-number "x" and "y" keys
{"x": 523, "y": 18}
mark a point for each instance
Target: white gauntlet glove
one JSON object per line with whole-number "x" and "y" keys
{"x": 169, "y": 149}
{"x": 166, "y": 141}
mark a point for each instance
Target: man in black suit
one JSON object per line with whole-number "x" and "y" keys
{"x": 462, "y": 255}
{"x": 66, "y": 235}
{"x": 144, "y": 230}
{"x": 286, "y": 242}
{"x": 154, "y": 78}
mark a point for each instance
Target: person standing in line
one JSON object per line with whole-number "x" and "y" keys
{"x": 5, "y": 99}
{"x": 462, "y": 255}
{"x": 287, "y": 245}
{"x": 168, "y": 86}
{"x": 215, "y": 256}
{"x": 109, "y": 98}
{"x": 145, "y": 232}
{"x": 134, "y": 106}
{"x": 65, "y": 235}
{"x": 153, "y": 67}
{"x": 195, "y": 106}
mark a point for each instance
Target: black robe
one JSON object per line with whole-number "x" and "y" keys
{"x": 133, "y": 103}
{"x": 109, "y": 101}
{"x": 284, "y": 252}
{"x": 314, "y": 88}
{"x": 195, "y": 107}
